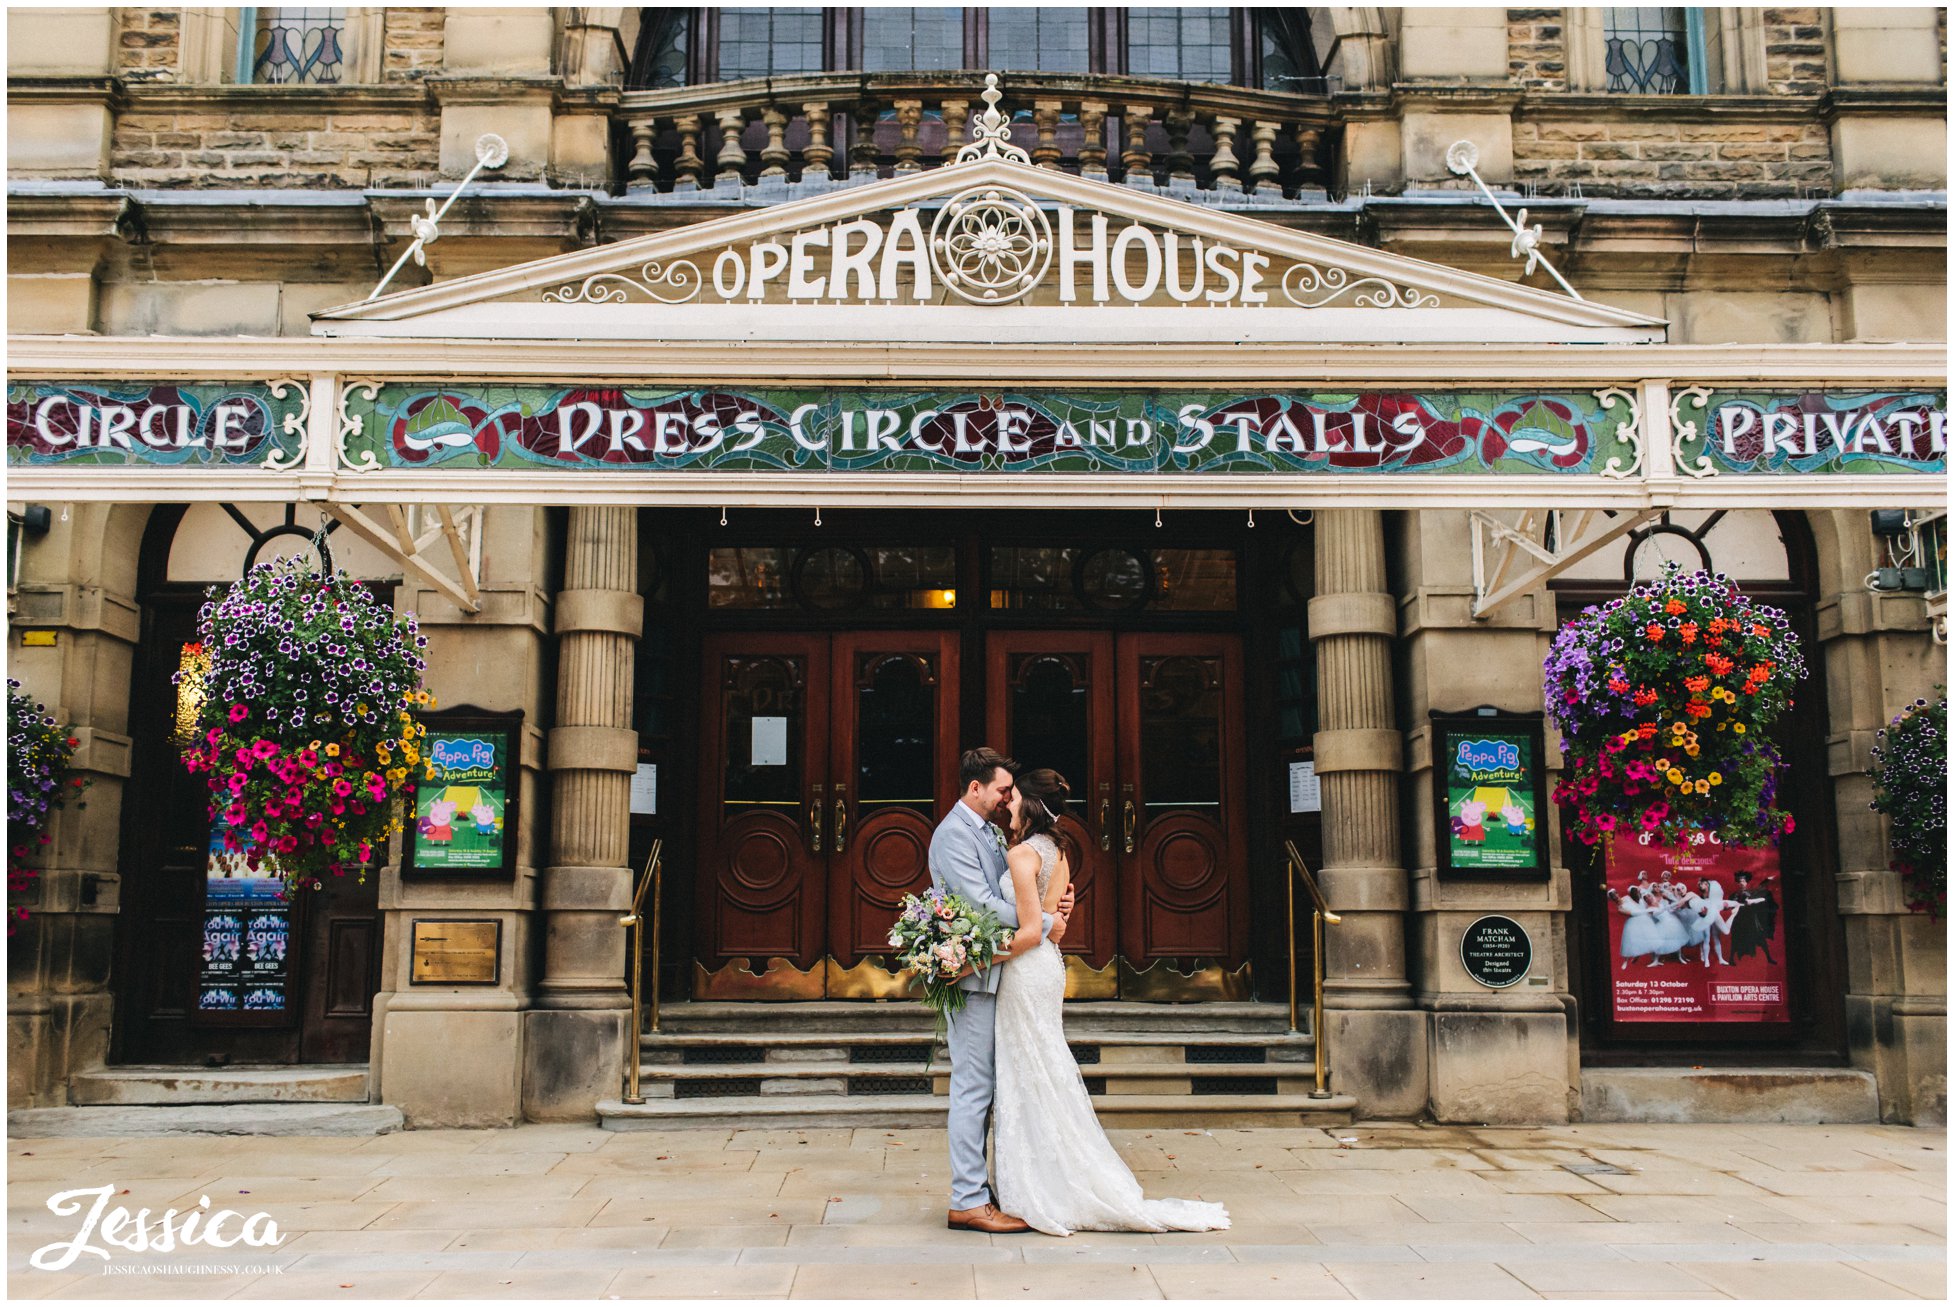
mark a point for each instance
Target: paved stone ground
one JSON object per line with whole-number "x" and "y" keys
{"x": 1589, "y": 1211}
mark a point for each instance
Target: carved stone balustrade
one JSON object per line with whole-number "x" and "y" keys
{"x": 1224, "y": 144}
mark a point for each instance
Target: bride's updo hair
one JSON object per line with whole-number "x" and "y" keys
{"x": 1045, "y": 795}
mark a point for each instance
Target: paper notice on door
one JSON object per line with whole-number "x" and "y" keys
{"x": 769, "y": 741}
{"x": 644, "y": 789}
{"x": 1305, "y": 791}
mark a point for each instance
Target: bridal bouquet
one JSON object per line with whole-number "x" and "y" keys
{"x": 936, "y": 936}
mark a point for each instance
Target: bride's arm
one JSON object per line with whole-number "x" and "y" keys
{"x": 1023, "y": 862}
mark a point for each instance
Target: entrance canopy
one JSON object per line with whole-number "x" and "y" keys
{"x": 985, "y": 333}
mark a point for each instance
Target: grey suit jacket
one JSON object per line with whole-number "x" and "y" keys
{"x": 965, "y": 859}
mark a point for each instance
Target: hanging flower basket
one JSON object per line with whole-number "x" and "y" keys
{"x": 1664, "y": 700}
{"x": 39, "y": 754}
{"x": 1910, "y": 786}
{"x": 306, "y": 729}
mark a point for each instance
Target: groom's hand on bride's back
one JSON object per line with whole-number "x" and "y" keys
{"x": 1061, "y": 915}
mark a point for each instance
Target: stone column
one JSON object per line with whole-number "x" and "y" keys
{"x": 575, "y": 1036}
{"x": 1376, "y": 1042}
{"x": 78, "y": 584}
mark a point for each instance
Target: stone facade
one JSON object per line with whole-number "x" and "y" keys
{"x": 225, "y": 138}
{"x": 1536, "y": 49}
{"x": 1804, "y": 207}
{"x": 1762, "y": 153}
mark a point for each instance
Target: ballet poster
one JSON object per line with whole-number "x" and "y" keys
{"x": 1695, "y": 933}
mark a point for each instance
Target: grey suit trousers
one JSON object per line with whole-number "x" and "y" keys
{"x": 973, "y": 1081}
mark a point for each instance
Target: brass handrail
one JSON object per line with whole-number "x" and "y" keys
{"x": 634, "y": 921}
{"x": 1299, "y": 870}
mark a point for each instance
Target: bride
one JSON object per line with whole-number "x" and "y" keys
{"x": 1056, "y": 1169}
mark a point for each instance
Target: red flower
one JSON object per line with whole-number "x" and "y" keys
{"x": 1653, "y": 631}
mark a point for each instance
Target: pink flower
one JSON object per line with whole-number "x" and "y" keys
{"x": 212, "y": 735}
{"x": 260, "y": 832}
{"x": 342, "y": 787}
{"x": 307, "y": 758}
{"x": 1605, "y": 822}
{"x": 235, "y": 814}
{"x": 274, "y": 810}
{"x": 285, "y": 844}
{"x": 245, "y": 758}
{"x": 236, "y": 783}
{"x": 265, "y": 749}
{"x": 239, "y": 712}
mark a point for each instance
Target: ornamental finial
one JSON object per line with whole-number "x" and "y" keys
{"x": 993, "y": 138}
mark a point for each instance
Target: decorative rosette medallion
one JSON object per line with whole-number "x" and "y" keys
{"x": 990, "y": 244}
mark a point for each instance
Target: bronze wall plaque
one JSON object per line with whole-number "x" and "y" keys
{"x": 457, "y": 953}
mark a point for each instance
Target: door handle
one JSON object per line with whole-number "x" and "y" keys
{"x": 841, "y": 825}
{"x": 1131, "y": 819}
{"x": 814, "y": 821}
{"x": 1105, "y": 823}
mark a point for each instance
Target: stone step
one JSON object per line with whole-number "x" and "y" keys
{"x": 863, "y": 1080}
{"x": 187, "y": 1086}
{"x": 206, "y": 1119}
{"x": 752, "y": 1050}
{"x": 929, "y": 1111}
{"x": 1081, "y": 1018}
{"x": 1797, "y": 1095}
{"x": 799, "y": 1039}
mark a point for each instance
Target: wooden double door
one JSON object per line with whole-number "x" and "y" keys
{"x": 828, "y": 760}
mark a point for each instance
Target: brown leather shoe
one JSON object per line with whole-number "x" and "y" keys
{"x": 986, "y": 1219}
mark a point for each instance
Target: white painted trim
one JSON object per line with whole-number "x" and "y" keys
{"x": 1003, "y": 326}
{"x": 529, "y": 318}
{"x": 964, "y": 490}
{"x": 843, "y": 362}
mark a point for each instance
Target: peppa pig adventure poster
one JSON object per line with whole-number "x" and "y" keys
{"x": 1489, "y": 789}
{"x": 463, "y": 819}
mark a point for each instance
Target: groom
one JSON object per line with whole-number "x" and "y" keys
{"x": 967, "y": 858}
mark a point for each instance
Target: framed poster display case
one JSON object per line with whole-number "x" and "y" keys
{"x": 1489, "y": 794}
{"x": 467, "y": 806}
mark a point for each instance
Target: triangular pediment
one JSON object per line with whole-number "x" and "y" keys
{"x": 988, "y": 250}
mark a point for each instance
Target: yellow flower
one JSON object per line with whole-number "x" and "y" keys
{"x": 1693, "y": 750}
{"x": 332, "y": 751}
{"x": 1716, "y": 778}
{"x": 1740, "y": 728}
{"x": 1702, "y": 787}
{"x": 1662, "y": 764}
{"x": 1675, "y": 776}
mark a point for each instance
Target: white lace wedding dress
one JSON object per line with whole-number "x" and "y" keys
{"x": 1056, "y": 1170}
